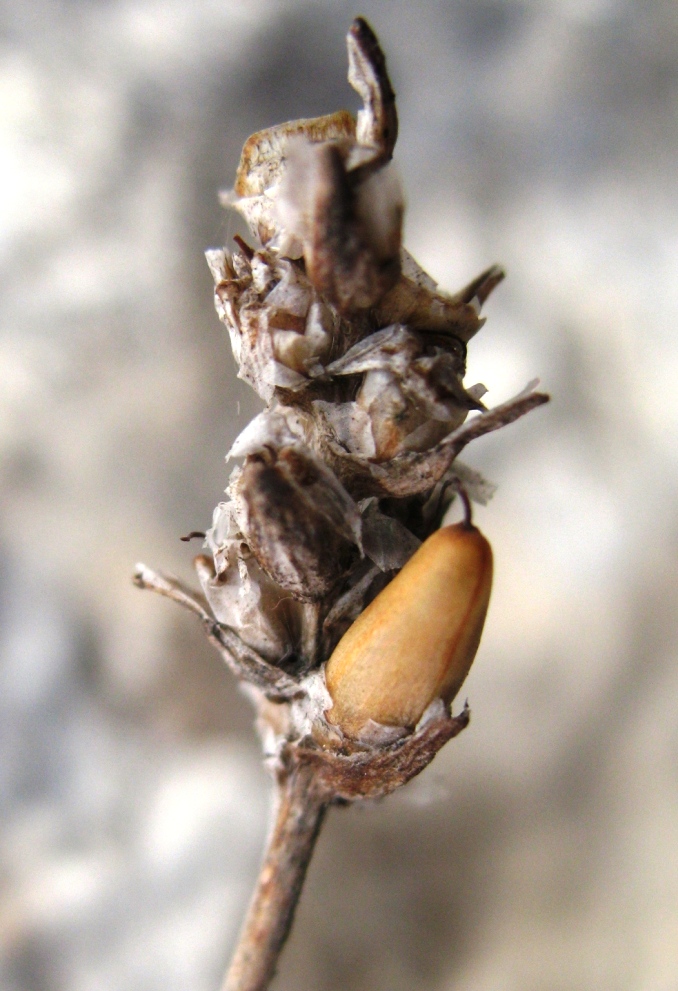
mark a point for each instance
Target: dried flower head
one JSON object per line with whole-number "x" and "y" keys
{"x": 360, "y": 359}
{"x": 328, "y": 587}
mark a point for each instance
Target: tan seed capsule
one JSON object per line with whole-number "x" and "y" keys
{"x": 416, "y": 641}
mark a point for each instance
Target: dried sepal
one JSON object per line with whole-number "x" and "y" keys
{"x": 297, "y": 518}
{"x": 417, "y": 301}
{"x": 282, "y": 332}
{"x": 242, "y": 596}
{"x": 279, "y": 331}
{"x": 412, "y": 389}
{"x": 409, "y": 473}
{"x": 386, "y": 541}
{"x": 339, "y": 200}
{"x": 377, "y": 124}
{"x": 277, "y": 427}
{"x": 265, "y": 156}
{"x": 417, "y": 473}
{"x": 348, "y": 773}
{"x": 344, "y": 438}
{"x": 263, "y": 164}
{"x": 349, "y": 224}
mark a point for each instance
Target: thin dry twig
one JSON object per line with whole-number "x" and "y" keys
{"x": 244, "y": 662}
{"x": 302, "y": 800}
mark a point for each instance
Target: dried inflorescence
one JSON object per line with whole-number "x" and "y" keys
{"x": 360, "y": 359}
{"x": 328, "y": 586}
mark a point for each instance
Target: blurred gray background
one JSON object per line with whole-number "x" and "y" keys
{"x": 539, "y": 851}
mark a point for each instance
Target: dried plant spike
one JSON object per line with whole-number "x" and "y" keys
{"x": 417, "y": 640}
{"x": 330, "y": 518}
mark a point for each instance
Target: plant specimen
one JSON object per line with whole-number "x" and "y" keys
{"x": 329, "y": 587}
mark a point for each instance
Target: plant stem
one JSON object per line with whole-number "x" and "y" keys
{"x": 301, "y": 806}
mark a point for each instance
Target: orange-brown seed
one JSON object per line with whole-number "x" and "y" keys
{"x": 416, "y": 641}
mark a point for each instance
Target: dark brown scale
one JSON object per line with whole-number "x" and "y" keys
{"x": 296, "y": 544}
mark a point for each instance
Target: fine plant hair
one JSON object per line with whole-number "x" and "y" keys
{"x": 360, "y": 359}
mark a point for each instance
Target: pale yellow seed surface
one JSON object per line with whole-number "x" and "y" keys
{"x": 417, "y": 640}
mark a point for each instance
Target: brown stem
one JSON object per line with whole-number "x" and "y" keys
{"x": 300, "y": 811}
{"x": 468, "y": 511}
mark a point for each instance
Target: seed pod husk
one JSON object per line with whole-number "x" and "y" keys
{"x": 416, "y": 641}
